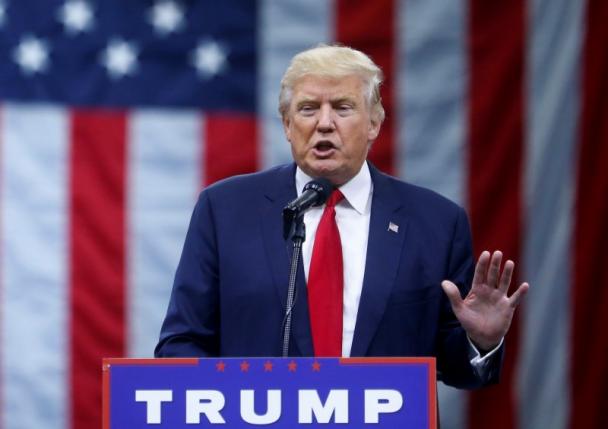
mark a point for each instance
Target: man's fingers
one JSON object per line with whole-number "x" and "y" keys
{"x": 505, "y": 278}
{"x": 517, "y": 296}
{"x": 494, "y": 270}
{"x": 481, "y": 268}
{"x": 453, "y": 293}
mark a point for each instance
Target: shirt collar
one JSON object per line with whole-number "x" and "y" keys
{"x": 357, "y": 191}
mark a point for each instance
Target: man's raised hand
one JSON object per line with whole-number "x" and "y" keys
{"x": 487, "y": 311}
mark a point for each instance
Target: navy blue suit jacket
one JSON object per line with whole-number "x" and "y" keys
{"x": 230, "y": 287}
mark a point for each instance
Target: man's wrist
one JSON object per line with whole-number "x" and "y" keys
{"x": 484, "y": 347}
{"x": 481, "y": 352}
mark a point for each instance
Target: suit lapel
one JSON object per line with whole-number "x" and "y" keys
{"x": 387, "y": 230}
{"x": 279, "y": 251}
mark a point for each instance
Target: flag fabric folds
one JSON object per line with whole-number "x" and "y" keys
{"x": 114, "y": 115}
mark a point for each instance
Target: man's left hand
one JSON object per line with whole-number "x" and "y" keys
{"x": 486, "y": 312}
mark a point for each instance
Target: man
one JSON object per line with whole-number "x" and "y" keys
{"x": 372, "y": 288}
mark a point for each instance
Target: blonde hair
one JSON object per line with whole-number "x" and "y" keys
{"x": 333, "y": 62}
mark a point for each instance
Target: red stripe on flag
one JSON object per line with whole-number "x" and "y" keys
{"x": 590, "y": 294}
{"x": 495, "y": 167}
{"x": 355, "y": 18}
{"x": 1, "y": 262}
{"x": 97, "y": 268}
{"x": 230, "y": 146}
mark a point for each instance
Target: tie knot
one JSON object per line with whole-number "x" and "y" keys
{"x": 334, "y": 198}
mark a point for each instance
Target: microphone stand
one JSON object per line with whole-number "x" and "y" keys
{"x": 298, "y": 236}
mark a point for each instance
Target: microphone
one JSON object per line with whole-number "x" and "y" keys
{"x": 315, "y": 193}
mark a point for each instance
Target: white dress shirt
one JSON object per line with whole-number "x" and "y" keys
{"x": 352, "y": 219}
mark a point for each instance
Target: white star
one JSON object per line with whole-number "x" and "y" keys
{"x": 119, "y": 58}
{"x": 76, "y": 16}
{"x": 209, "y": 58}
{"x": 166, "y": 16}
{"x": 32, "y": 55}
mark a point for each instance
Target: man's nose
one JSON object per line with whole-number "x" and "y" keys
{"x": 326, "y": 119}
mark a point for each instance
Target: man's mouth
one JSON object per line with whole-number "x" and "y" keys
{"x": 323, "y": 148}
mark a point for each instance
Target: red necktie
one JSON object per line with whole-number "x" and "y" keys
{"x": 326, "y": 284}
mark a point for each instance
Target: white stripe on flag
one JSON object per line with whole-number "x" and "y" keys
{"x": 286, "y": 27}
{"x": 35, "y": 274}
{"x": 431, "y": 99}
{"x": 165, "y": 177}
{"x": 556, "y": 31}
{"x": 432, "y": 118}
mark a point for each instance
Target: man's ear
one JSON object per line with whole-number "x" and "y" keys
{"x": 286, "y": 127}
{"x": 374, "y": 128}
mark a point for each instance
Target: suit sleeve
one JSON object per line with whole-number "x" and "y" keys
{"x": 191, "y": 326}
{"x": 453, "y": 357}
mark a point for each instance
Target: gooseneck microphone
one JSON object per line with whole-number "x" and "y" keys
{"x": 315, "y": 193}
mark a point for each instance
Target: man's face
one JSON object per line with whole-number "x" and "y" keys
{"x": 330, "y": 127}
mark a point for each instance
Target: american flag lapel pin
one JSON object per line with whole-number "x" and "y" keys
{"x": 393, "y": 227}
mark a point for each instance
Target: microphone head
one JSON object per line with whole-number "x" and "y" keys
{"x": 315, "y": 193}
{"x": 322, "y": 187}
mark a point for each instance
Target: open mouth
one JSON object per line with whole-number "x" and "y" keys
{"x": 324, "y": 147}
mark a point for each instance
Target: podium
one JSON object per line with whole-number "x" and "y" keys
{"x": 270, "y": 392}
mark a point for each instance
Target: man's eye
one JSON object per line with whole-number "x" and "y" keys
{"x": 307, "y": 109}
{"x": 344, "y": 108}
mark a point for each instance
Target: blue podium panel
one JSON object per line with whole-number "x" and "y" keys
{"x": 270, "y": 392}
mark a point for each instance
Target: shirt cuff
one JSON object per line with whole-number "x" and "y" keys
{"x": 479, "y": 362}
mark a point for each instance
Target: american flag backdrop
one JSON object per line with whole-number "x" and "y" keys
{"x": 114, "y": 114}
